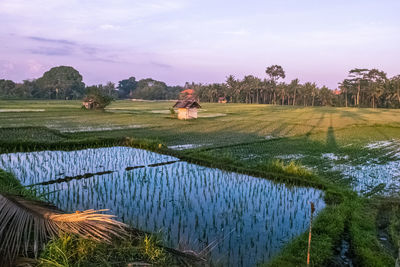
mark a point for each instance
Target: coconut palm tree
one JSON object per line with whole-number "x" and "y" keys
{"x": 294, "y": 84}
{"x": 326, "y": 96}
{"x": 395, "y": 86}
{"x": 25, "y": 226}
{"x": 376, "y": 82}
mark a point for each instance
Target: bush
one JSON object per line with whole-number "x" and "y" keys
{"x": 99, "y": 97}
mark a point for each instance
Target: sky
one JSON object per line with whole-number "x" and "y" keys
{"x": 201, "y": 40}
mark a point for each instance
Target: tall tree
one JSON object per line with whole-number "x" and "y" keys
{"x": 61, "y": 82}
{"x": 395, "y": 86}
{"x": 110, "y": 89}
{"x": 126, "y": 87}
{"x": 326, "y": 96}
{"x": 314, "y": 92}
{"x": 275, "y": 72}
{"x": 150, "y": 89}
{"x": 376, "y": 82}
{"x": 25, "y": 89}
{"x": 294, "y": 84}
{"x": 357, "y": 78}
{"x": 233, "y": 88}
{"x": 7, "y": 88}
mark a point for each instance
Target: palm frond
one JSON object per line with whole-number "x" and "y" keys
{"x": 25, "y": 225}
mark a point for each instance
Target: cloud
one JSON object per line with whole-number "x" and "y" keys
{"x": 52, "y": 47}
{"x": 52, "y": 51}
{"x": 89, "y": 50}
{"x": 47, "y": 40}
{"x": 57, "y": 47}
{"x": 161, "y": 65}
{"x": 107, "y": 60}
{"x": 109, "y": 27}
{"x": 203, "y": 40}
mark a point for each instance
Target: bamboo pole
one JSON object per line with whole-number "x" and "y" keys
{"x": 309, "y": 234}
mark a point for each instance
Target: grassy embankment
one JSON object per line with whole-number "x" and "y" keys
{"x": 233, "y": 137}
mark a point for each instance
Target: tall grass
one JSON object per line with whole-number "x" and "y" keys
{"x": 69, "y": 250}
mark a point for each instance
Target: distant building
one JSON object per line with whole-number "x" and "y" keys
{"x": 222, "y": 100}
{"x": 187, "y": 109}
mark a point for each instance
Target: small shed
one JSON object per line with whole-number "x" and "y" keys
{"x": 187, "y": 109}
{"x": 90, "y": 103}
{"x": 222, "y": 100}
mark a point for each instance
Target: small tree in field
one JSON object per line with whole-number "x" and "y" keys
{"x": 98, "y": 97}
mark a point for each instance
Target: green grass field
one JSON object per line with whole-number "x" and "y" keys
{"x": 290, "y": 144}
{"x": 219, "y": 124}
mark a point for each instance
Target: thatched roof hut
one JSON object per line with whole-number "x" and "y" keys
{"x": 90, "y": 103}
{"x": 187, "y": 109}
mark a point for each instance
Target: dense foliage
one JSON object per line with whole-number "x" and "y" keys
{"x": 362, "y": 88}
{"x": 58, "y": 83}
{"x": 101, "y": 95}
{"x": 150, "y": 89}
{"x": 66, "y": 83}
{"x": 126, "y": 87}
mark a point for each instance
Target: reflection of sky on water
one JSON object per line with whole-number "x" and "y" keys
{"x": 193, "y": 206}
{"x": 48, "y": 165}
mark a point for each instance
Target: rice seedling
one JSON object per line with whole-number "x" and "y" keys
{"x": 187, "y": 199}
{"x": 321, "y": 139}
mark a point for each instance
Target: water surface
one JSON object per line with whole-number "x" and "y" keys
{"x": 247, "y": 219}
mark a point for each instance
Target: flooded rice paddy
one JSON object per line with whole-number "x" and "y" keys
{"x": 236, "y": 219}
{"x": 373, "y": 173}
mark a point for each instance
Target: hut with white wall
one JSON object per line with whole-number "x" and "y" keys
{"x": 187, "y": 109}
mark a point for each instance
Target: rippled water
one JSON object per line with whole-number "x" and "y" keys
{"x": 248, "y": 219}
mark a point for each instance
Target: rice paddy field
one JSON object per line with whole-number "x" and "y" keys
{"x": 234, "y": 184}
{"x": 191, "y": 205}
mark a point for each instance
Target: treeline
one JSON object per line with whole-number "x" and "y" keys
{"x": 362, "y": 88}
{"x": 148, "y": 89}
{"x": 65, "y": 82}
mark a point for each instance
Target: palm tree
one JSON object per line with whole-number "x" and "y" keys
{"x": 344, "y": 86}
{"x": 326, "y": 96}
{"x": 376, "y": 81}
{"x": 294, "y": 84}
{"x": 307, "y": 91}
{"x": 266, "y": 86}
{"x": 248, "y": 83}
{"x": 232, "y": 87}
{"x": 282, "y": 87}
{"x": 314, "y": 91}
{"x": 395, "y": 85}
{"x": 25, "y": 225}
